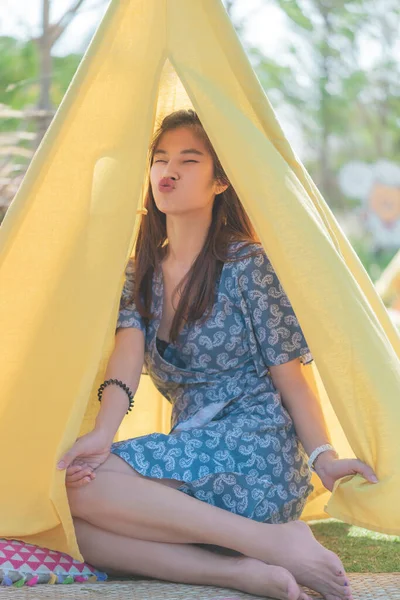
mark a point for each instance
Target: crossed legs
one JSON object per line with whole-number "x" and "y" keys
{"x": 145, "y": 527}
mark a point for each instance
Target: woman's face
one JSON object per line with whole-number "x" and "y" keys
{"x": 183, "y": 164}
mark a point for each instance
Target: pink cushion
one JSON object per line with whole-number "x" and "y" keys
{"x": 25, "y": 564}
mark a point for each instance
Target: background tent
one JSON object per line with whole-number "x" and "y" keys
{"x": 388, "y": 284}
{"x": 69, "y": 232}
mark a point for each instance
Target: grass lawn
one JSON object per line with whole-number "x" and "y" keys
{"x": 361, "y": 550}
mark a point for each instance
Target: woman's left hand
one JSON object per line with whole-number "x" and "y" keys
{"x": 330, "y": 469}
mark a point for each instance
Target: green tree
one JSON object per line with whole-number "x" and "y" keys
{"x": 33, "y": 81}
{"x": 343, "y": 109}
{"x": 18, "y": 70}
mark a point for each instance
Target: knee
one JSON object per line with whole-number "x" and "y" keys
{"x": 84, "y": 497}
{"x": 79, "y": 499}
{"x": 84, "y": 538}
{"x": 79, "y": 527}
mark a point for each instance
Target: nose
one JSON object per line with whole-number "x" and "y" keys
{"x": 170, "y": 172}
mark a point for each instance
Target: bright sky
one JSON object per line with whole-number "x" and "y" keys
{"x": 265, "y": 27}
{"x": 21, "y": 18}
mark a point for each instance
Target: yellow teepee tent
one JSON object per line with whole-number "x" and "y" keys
{"x": 69, "y": 232}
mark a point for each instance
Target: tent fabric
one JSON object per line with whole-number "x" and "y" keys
{"x": 70, "y": 230}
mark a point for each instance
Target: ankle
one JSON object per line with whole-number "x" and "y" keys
{"x": 230, "y": 572}
{"x": 236, "y": 571}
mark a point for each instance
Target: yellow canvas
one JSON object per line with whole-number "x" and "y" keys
{"x": 69, "y": 232}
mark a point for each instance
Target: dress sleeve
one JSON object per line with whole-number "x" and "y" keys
{"x": 129, "y": 315}
{"x": 274, "y": 332}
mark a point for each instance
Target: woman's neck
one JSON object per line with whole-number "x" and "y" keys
{"x": 186, "y": 238}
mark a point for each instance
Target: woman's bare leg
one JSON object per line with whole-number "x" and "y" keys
{"x": 183, "y": 563}
{"x": 136, "y": 506}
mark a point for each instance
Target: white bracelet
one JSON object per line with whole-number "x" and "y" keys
{"x": 314, "y": 455}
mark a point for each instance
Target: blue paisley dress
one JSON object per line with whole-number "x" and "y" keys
{"x": 231, "y": 443}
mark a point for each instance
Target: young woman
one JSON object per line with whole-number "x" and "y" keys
{"x": 203, "y": 311}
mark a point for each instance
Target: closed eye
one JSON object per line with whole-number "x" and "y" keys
{"x": 185, "y": 161}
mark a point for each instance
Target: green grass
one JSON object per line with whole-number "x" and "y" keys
{"x": 361, "y": 550}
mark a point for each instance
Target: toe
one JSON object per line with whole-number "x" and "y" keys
{"x": 342, "y": 580}
{"x": 347, "y": 590}
{"x": 342, "y": 596}
{"x": 293, "y": 591}
{"x": 339, "y": 592}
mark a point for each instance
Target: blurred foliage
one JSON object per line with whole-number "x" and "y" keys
{"x": 374, "y": 261}
{"x": 18, "y": 73}
{"x": 344, "y": 109}
{"x": 20, "y": 78}
{"x": 64, "y": 69}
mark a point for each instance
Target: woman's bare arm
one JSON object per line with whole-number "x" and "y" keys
{"x": 302, "y": 405}
{"x": 126, "y": 363}
{"x": 305, "y": 410}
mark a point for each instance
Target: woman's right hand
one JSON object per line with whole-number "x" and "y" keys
{"x": 84, "y": 457}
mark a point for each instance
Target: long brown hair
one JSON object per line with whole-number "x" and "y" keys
{"x": 230, "y": 223}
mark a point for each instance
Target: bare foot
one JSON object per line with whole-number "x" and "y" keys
{"x": 312, "y": 565}
{"x": 255, "y": 577}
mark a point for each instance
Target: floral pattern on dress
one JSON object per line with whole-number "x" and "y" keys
{"x": 232, "y": 443}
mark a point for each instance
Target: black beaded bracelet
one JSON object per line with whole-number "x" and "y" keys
{"x": 122, "y": 385}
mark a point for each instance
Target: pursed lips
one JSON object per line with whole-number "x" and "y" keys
{"x": 166, "y": 184}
